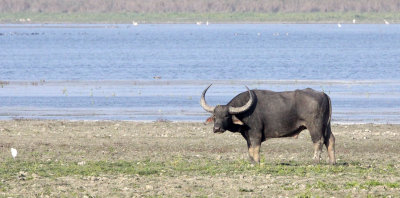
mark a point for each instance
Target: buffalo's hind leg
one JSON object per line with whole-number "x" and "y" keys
{"x": 318, "y": 140}
{"x": 330, "y": 144}
{"x": 317, "y": 149}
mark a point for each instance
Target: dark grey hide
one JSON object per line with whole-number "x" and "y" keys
{"x": 267, "y": 114}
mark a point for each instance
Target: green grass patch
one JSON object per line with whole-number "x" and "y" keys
{"x": 177, "y": 166}
{"x": 370, "y": 184}
{"x": 247, "y": 17}
{"x": 393, "y": 184}
{"x": 306, "y": 194}
{"x": 324, "y": 186}
{"x": 245, "y": 190}
{"x": 351, "y": 184}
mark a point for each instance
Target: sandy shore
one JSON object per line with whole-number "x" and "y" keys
{"x": 118, "y": 158}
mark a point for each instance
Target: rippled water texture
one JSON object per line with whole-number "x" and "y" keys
{"x": 157, "y": 72}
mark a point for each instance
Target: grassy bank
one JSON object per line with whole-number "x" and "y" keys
{"x": 134, "y": 159}
{"x": 340, "y": 179}
{"x": 313, "y": 17}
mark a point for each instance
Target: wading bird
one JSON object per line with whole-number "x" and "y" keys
{"x": 14, "y": 152}
{"x": 386, "y": 22}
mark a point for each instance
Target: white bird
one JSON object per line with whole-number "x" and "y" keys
{"x": 134, "y": 23}
{"x": 207, "y": 23}
{"x": 339, "y": 25}
{"x": 386, "y": 22}
{"x": 14, "y": 152}
{"x": 354, "y": 20}
{"x": 198, "y": 23}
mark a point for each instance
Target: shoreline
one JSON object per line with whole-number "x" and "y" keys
{"x": 26, "y": 99}
{"x": 114, "y": 25}
{"x": 173, "y": 122}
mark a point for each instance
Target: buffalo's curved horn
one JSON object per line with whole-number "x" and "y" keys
{"x": 236, "y": 110}
{"x": 204, "y": 103}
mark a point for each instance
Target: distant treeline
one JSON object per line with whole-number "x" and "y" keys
{"x": 198, "y": 6}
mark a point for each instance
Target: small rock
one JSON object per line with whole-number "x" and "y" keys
{"x": 81, "y": 163}
{"x": 149, "y": 187}
{"x": 34, "y": 176}
{"x": 125, "y": 189}
{"x": 94, "y": 179}
{"x": 22, "y": 175}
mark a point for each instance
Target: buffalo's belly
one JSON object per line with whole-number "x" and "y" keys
{"x": 288, "y": 132}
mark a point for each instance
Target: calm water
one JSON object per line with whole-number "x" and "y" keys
{"x": 152, "y": 72}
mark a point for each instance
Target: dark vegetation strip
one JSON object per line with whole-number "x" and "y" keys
{"x": 198, "y": 6}
{"x": 246, "y": 17}
{"x": 189, "y": 11}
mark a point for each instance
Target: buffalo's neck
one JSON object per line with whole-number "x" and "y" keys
{"x": 236, "y": 128}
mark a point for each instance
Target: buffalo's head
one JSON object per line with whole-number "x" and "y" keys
{"x": 224, "y": 115}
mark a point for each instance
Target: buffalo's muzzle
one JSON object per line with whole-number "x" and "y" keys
{"x": 218, "y": 130}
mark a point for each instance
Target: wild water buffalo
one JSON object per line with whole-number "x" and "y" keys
{"x": 261, "y": 114}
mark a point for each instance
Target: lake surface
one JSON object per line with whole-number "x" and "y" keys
{"x": 157, "y": 72}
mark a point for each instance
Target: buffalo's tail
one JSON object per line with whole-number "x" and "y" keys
{"x": 328, "y": 122}
{"x": 330, "y": 110}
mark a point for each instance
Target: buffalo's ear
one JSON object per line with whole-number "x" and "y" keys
{"x": 209, "y": 120}
{"x": 236, "y": 120}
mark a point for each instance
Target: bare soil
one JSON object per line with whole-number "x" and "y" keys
{"x": 187, "y": 159}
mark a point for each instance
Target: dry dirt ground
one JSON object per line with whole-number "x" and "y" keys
{"x": 167, "y": 159}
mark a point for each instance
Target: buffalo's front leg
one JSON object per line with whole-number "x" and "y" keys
{"x": 254, "y": 144}
{"x": 254, "y": 153}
